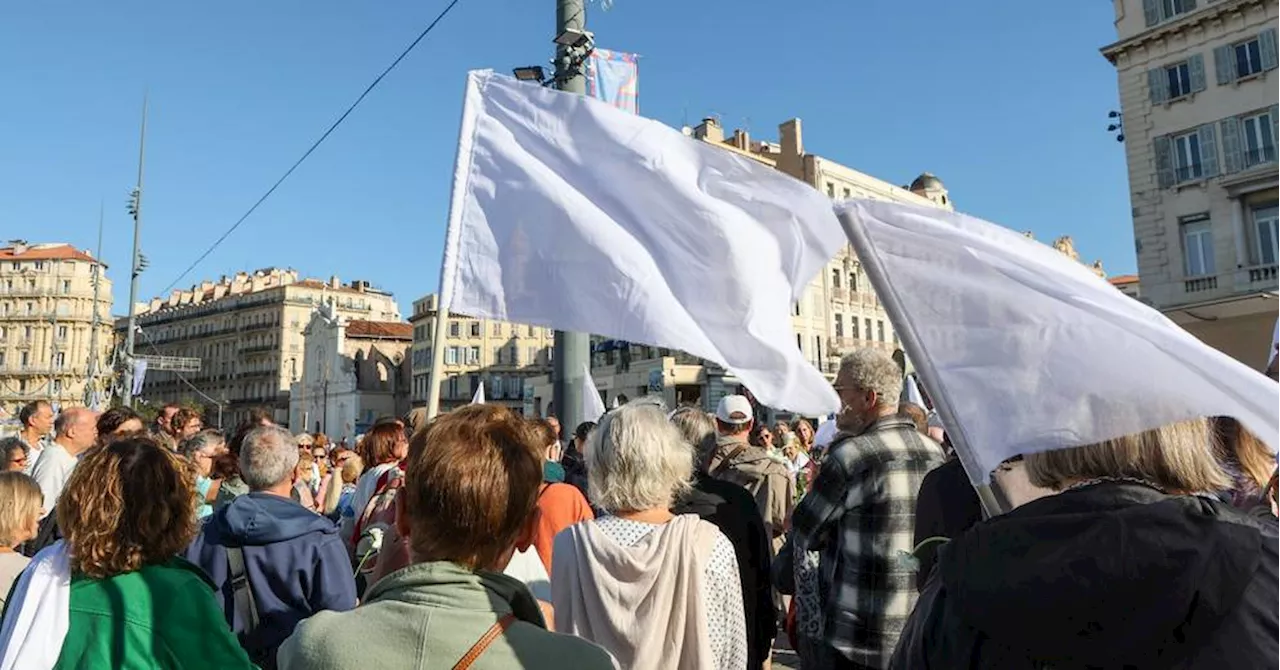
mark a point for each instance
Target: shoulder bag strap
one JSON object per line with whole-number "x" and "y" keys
{"x": 241, "y": 591}
{"x": 483, "y": 643}
{"x": 724, "y": 463}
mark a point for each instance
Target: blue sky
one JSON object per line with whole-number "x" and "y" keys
{"x": 1007, "y": 106}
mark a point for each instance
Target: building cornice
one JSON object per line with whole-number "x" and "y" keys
{"x": 1161, "y": 31}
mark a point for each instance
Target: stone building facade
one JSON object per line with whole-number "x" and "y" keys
{"x": 1198, "y": 94}
{"x": 356, "y": 371}
{"x": 47, "y": 320}
{"x": 247, "y": 331}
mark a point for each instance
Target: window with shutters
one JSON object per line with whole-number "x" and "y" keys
{"x": 1248, "y": 58}
{"x": 1186, "y": 157}
{"x": 867, "y": 332}
{"x": 880, "y": 331}
{"x": 475, "y": 329}
{"x": 497, "y": 329}
{"x": 1156, "y": 11}
{"x": 835, "y": 278}
{"x": 831, "y": 190}
{"x": 1265, "y": 237}
{"x": 1197, "y": 246}
{"x": 853, "y": 327}
{"x": 473, "y": 355}
{"x": 1179, "y": 78}
{"x": 839, "y": 325}
{"x": 451, "y": 356}
{"x": 1258, "y": 139}
{"x": 455, "y": 329}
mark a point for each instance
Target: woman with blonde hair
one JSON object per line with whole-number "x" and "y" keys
{"x": 113, "y": 593}
{"x": 20, "y": 505}
{"x": 1133, "y": 563}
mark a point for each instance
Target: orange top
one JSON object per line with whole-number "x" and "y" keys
{"x": 559, "y": 506}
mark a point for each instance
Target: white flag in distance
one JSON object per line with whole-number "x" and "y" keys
{"x": 572, "y": 214}
{"x": 478, "y": 398}
{"x": 592, "y": 405}
{"x": 1030, "y": 349}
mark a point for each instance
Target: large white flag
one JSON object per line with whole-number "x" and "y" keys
{"x": 572, "y": 214}
{"x": 1032, "y": 350}
{"x": 592, "y": 405}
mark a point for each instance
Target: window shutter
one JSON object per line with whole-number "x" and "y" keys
{"x": 1158, "y": 85}
{"x": 1275, "y": 127}
{"x": 1224, "y": 61}
{"x": 1208, "y": 150}
{"x": 1164, "y": 161}
{"x": 1231, "y": 158}
{"x": 1267, "y": 49}
{"x": 1151, "y": 10}
{"x": 1195, "y": 66}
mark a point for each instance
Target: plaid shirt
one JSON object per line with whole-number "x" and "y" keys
{"x": 859, "y": 514}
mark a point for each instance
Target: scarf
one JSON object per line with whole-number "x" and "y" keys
{"x": 36, "y": 621}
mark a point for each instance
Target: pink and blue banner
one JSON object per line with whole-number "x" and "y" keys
{"x": 612, "y": 76}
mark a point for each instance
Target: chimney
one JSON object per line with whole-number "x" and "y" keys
{"x": 791, "y": 138}
{"x": 741, "y": 140}
{"x": 334, "y": 282}
{"x": 19, "y": 247}
{"x": 709, "y": 130}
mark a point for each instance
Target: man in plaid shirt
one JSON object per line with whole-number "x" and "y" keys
{"x": 860, "y": 514}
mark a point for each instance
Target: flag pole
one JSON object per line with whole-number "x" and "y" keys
{"x": 437, "y": 359}
{"x": 987, "y": 493}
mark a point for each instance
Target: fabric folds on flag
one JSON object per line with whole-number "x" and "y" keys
{"x": 1030, "y": 349}
{"x": 614, "y": 77}
{"x": 571, "y": 214}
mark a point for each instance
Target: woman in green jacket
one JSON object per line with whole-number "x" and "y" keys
{"x": 126, "y": 512}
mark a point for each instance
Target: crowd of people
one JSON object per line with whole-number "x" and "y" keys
{"x": 652, "y": 539}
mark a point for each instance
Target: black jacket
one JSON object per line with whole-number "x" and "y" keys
{"x": 733, "y": 510}
{"x": 946, "y": 506}
{"x": 1108, "y": 576}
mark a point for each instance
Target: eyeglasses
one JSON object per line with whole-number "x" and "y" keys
{"x": 21, "y": 460}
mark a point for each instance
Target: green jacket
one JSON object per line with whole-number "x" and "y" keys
{"x": 426, "y": 616}
{"x": 162, "y": 616}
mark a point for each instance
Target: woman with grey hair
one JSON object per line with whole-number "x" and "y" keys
{"x": 657, "y": 590}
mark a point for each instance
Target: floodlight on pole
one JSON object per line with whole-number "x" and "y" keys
{"x": 574, "y": 38}
{"x": 530, "y": 73}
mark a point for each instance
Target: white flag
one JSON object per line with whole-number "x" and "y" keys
{"x": 911, "y": 392}
{"x": 592, "y": 405}
{"x": 1030, "y": 349}
{"x": 478, "y": 398}
{"x": 1275, "y": 344}
{"x": 571, "y": 214}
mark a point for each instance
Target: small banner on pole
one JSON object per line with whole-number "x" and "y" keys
{"x": 139, "y": 376}
{"x": 613, "y": 77}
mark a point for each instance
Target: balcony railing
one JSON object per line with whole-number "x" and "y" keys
{"x": 1199, "y": 284}
{"x": 1260, "y": 156}
{"x": 1190, "y": 172}
{"x": 1256, "y": 277}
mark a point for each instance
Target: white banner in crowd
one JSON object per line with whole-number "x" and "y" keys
{"x": 478, "y": 398}
{"x": 592, "y": 405}
{"x": 572, "y": 214}
{"x": 1031, "y": 350}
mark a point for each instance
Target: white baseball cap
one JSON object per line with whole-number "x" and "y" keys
{"x": 735, "y": 409}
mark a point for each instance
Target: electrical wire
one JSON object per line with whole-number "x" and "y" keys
{"x": 183, "y": 379}
{"x": 377, "y": 80}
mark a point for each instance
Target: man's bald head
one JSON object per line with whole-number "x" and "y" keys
{"x": 76, "y": 429}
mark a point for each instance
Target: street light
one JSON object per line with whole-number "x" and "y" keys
{"x": 574, "y": 38}
{"x": 1118, "y": 126}
{"x": 530, "y": 73}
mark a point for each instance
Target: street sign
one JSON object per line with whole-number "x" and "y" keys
{"x": 174, "y": 363}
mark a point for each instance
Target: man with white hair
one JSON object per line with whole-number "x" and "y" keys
{"x": 272, "y": 561}
{"x": 76, "y": 431}
{"x": 859, "y": 514}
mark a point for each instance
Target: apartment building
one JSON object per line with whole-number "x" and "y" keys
{"x": 1198, "y": 92}
{"x": 500, "y": 355}
{"x": 48, "y": 320}
{"x": 248, "y": 332}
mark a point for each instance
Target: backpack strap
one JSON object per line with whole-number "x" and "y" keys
{"x": 483, "y": 643}
{"x": 241, "y": 591}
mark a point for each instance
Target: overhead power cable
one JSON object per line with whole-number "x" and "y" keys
{"x": 377, "y": 80}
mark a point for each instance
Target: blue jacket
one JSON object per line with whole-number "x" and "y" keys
{"x": 295, "y": 561}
